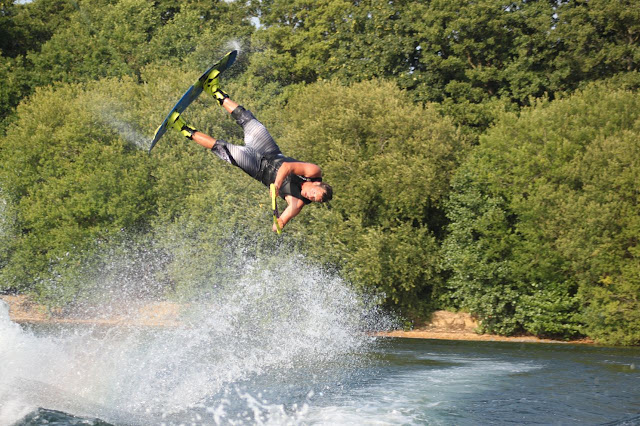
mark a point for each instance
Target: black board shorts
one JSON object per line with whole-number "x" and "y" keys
{"x": 258, "y": 144}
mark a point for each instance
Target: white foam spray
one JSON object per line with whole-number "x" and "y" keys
{"x": 240, "y": 353}
{"x": 234, "y": 44}
{"x": 113, "y": 114}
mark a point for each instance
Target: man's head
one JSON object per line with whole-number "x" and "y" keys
{"x": 319, "y": 192}
{"x": 328, "y": 192}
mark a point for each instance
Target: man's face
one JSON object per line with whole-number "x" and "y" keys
{"x": 314, "y": 192}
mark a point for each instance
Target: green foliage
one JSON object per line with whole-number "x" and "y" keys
{"x": 303, "y": 34}
{"x": 544, "y": 220}
{"x": 597, "y": 39}
{"x": 100, "y": 40}
{"x": 198, "y": 34}
{"x": 25, "y": 27}
{"x": 79, "y": 41}
{"x": 14, "y": 85}
{"x": 71, "y": 177}
{"x": 460, "y": 53}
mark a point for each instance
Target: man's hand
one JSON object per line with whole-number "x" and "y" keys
{"x": 274, "y": 228}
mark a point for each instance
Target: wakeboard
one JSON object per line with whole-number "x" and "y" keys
{"x": 193, "y": 92}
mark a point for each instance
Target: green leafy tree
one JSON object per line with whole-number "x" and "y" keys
{"x": 301, "y": 37}
{"x": 595, "y": 40}
{"x": 470, "y": 57}
{"x": 460, "y": 53}
{"x": 79, "y": 41}
{"x": 14, "y": 84}
{"x": 100, "y": 40}
{"x": 543, "y": 236}
{"x": 72, "y": 175}
{"x": 200, "y": 32}
{"x": 25, "y": 27}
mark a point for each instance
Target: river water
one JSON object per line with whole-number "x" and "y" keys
{"x": 393, "y": 381}
{"x": 278, "y": 346}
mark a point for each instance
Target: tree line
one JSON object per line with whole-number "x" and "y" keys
{"x": 483, "y": 154}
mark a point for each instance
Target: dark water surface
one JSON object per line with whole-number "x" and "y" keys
{"x": 406, "y": 381}
{"x": 446, "y": 382}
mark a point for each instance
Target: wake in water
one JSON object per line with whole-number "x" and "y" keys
{"x": 271, "y": 334}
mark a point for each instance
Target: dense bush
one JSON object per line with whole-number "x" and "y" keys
{"x": 70, "y": 176}
{"x": 463, "y": 54}
{"x": 545, "y": 220}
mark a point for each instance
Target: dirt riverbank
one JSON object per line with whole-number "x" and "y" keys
{"x": 462, "y": 326}
{"x": 443, "y": 325}
{"x": 159, "y": 314}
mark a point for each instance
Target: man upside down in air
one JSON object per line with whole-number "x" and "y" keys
{"x": 297, "y": 182}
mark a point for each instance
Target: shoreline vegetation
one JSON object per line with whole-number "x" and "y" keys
{"x": 443, "y": 325}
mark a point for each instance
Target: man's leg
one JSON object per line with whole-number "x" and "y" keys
{"x": 245, "y": 157}
{"x": 204, "y": 140}
{"x": 256, "y": 135}
{"x": 229, "y": 105}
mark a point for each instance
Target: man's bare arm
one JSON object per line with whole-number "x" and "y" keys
{"x": 308, "y": 170}
{"x": 295, "y": 206}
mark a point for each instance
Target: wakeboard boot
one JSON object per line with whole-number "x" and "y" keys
{"x": 178, "y": 123}
{"x": 212, "y": 87}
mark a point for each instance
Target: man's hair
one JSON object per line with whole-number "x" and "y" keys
{"x": 328, "y": 192}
